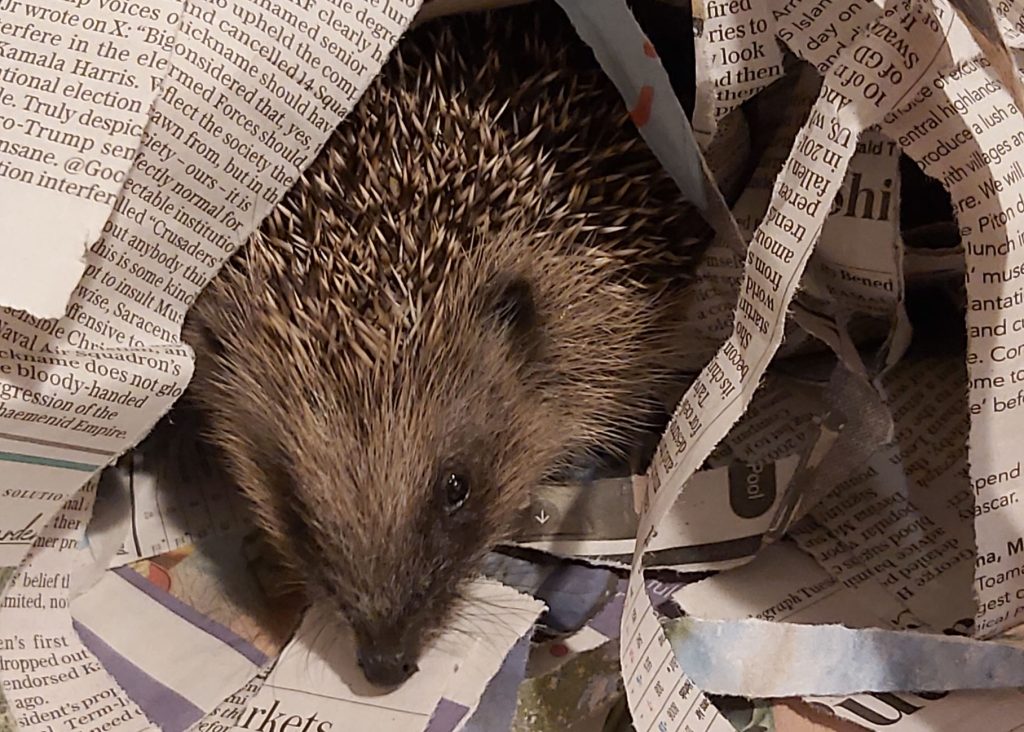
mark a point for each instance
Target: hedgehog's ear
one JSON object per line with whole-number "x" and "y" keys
{"x": 211, "y": 342}
{"x": 200, "y": 335}
{"x": 513, "y": 308}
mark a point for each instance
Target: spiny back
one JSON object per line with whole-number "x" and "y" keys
{"x": 474, "y": 122}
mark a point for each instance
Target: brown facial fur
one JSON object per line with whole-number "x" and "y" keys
{"x": 476, "y": 275}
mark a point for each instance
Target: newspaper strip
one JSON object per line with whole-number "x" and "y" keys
{"x": 821, "y": 33}
{"x": 50, "y": 678}
{"x": 316, "y": 682}
{"x": 159, "y": 649}
{"x": 868, "y": 199}
{"x": 822, "y": 151}
{"x": 855, "y": 272}
{"x": 980, "y": 18}
{"x": 900, "y": 529}
{"x": 63, "y": 415}
{"x": 1008, "y": 18}
{"x": 859, "y": 247}
{"x": 963, "y": 129}
{"x": 719, "y": 522}
{"x": 172, "y": 493}
{"x": 683, "y": 706}
{"x": 709, "y": 302}
{"x": 736, "y": 56}
{"x": 579, "y": 676}
{"x": 77, "y": 84}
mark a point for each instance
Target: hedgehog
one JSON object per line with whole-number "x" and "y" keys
{"x": 472, "y": 291}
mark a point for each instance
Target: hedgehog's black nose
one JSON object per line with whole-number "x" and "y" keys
{"x": 384, "y": 667}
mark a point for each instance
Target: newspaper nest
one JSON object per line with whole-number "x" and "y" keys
{"x": 830, "y": 535}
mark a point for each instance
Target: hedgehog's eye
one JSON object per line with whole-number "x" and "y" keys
{"x": 456, "y": 491}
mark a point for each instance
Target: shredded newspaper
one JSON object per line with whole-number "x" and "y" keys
{"x": 861, "y": 507}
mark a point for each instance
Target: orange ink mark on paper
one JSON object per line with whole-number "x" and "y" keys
{"x": 649, "y": 50}
{"x": 159, "y": 576}
{"x": 641, "y": 111}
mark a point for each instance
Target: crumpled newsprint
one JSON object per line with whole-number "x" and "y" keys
{"x": 864, "y": 505}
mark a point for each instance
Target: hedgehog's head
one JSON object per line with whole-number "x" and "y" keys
{"x": 421, "y": 464}
{"x": 386, "y": 470}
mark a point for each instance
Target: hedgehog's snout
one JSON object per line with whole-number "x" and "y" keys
{"x": 385, "y": 663}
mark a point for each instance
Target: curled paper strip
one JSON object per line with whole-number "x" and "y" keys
{"x": 716, "y": 655}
